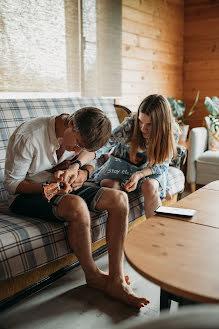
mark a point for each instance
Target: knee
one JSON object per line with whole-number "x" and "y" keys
{"x": 150, "y": 187}
{"x": 73, "y": 208}
{"x": 118, "y": 199}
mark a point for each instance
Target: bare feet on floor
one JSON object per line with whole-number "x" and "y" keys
{"x": 119, "y": 289}
{"x": 98, "y": 280}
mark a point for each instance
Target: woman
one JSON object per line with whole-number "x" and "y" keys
{"x": 141, "y": 149}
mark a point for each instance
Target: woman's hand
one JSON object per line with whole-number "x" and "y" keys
{"x": 131, "y": 184}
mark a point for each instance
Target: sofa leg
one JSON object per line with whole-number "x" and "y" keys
{"x": 179, "y": 196}
{"x": 193, "y": 187}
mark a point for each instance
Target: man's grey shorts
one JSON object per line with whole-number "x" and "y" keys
{"x": 35, "y": 205}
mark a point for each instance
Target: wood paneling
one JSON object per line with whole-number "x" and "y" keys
{"x": 200, "y": 10}
{"x": 152, "y": 50}
{"x": 201, "y": 54}
{"x": 170, "y": 47}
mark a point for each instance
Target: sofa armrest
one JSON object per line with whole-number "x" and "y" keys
{"x": 198, "y": 141}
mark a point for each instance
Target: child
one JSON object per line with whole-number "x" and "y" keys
{"x": 140, "y": 151}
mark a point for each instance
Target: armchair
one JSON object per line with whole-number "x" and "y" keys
{"x": 202, "y": 163}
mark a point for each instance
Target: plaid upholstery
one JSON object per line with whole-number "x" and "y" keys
{"x": 28, "y": 243}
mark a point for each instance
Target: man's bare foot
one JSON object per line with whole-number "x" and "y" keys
{"x": 118, "y": 289}
{"x": 168, "y": 195}
{"x": 98, "y": 280}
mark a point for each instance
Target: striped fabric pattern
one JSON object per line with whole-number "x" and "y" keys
{"x": 28, "y": 243}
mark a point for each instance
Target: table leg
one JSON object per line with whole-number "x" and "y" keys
{"x": 167, "y": 297}
{"x": 165, "y": 301}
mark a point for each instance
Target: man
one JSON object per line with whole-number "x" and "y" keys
{"x": 34, "y": 149}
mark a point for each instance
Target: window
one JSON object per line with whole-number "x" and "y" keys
{"x": 61, "y": 46}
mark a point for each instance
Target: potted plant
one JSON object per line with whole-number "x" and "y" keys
{"x": 178, "y": 110}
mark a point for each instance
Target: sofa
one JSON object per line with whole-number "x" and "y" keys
{"x": 203, "y": 163}
{"x": 33, "y": 252}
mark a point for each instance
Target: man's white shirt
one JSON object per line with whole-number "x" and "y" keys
{"x": 31, "y": 153}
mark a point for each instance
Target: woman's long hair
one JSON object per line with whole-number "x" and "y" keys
{"x": 161, "y": 145}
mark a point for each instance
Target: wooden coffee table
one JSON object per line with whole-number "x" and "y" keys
{"x": 181, "y": 256}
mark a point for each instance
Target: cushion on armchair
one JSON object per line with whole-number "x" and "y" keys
{"x": 212, "y": 125}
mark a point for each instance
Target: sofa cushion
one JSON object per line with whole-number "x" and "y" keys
{"x": 209, "y": 157}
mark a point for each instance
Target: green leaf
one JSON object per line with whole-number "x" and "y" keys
{"x": 212, "y": 105}
{"x": 178, "y": 107}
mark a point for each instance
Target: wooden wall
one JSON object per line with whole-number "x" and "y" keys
{"x": 201, "y": 53}
{"x": 152, "y": 50}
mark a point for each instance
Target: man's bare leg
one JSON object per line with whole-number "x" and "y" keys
{"x": 116, "y": 203}
{"x": 74, "y": 210}
{"x": 151, "y": 196}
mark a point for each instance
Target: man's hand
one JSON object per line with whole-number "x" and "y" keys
{"x": 66, "y": 188}
{"x": 51, "y": 189}
{"x": 72, "y": 184}
{"x": 69, "y": 175}
{"x": 131, "y": 184}
{"x": 82, "y": 177}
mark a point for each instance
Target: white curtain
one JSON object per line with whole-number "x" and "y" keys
{"x": 61, "y": 46}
